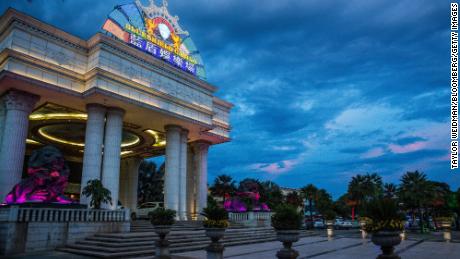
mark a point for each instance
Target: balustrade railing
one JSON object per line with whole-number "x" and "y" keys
{"x": 16, "y": 214}
{"x": 242, "y": 217}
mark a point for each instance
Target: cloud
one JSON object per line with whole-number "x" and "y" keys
{"x": 275, "y": 168}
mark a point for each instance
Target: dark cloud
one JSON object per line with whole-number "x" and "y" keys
{"x": 334, "y": 87}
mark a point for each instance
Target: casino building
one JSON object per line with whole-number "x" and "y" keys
{"x": 135, "y": 90}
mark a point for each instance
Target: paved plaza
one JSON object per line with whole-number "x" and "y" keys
{"x": 340, "y": 248}
{"x": 344, "y": 246}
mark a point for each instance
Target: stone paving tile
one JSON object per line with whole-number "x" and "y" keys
{"x": 341, "y": 248}
{"x": 429, "y": 250}
{"x": 364, "y": 250}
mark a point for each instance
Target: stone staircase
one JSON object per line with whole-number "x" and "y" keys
{"x": 140, "y": 242}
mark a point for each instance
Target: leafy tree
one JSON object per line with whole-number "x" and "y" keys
{"x": 294, "y": 199}
{"x": 270, "y": 193}
{"x": 310, "y": 193}
{"x": 223, "y": 184}
{"x": 341, "y": 206}
{"x": 151, "y": 182}
{"x": 99, "y": 194}
{"x": 415, "y": 192}
{"x": 323, "y": 201}
{"x": 249, "y": 185}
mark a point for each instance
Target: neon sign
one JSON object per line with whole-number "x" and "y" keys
{"x": 153, "y": 30}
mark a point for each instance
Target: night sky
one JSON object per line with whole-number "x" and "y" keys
{"x": 323, "y": 90}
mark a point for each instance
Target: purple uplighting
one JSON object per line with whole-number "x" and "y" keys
{"x": 47, "y": 179}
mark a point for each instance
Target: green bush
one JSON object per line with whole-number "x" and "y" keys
{"x": 215, "y": 213}
{"x": 384, "y": 215}
{"x": 162, "y": 216}
{"x": 286, "y": 217}
{"x": 216, "y": 217}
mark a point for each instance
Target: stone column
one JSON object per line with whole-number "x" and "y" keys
{"x": 123, "y": 190}
{"x": 92, "y": 156}
{"x": 112, "y": 149}
{"x": 172, "y": 161}
{"x": 183, "y": 175}
{"x": 129, "y": 175}
{"x": 190, "y": 206}
{"x": 2, "y": 119}
{"x": 201, "y": 160}
{"x": 18, "y": 107}
{"x": 133, "y": 180}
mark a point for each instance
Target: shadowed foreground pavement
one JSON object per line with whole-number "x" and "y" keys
{"x": 340, "y": 248}
{"x": 344, "y": 246}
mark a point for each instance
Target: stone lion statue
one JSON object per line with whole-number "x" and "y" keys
{"x": 47, "y": 178}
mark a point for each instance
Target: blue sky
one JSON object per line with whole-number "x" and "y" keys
{"x": 323, "y": 90}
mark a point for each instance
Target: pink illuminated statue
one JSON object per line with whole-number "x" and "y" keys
{"x": 46, "y": 181}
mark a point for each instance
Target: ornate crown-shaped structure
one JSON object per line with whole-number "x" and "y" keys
{"x": 153, "y": 11}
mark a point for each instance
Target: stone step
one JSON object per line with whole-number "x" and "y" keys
{"x": 122, "y": 236}
{"x": 151, "y": 250}
{"x": 172, "y": 238}
{"x": 149, "y": 245}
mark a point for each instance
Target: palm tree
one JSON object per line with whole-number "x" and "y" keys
{"x": 363, "y": 188}
{"x": 414, "y": 192}
{"x": 223, "y": 185}
{"x": 309, "y": 192}
{"x": 98, "y": 193}
{"x": 389, "y": 190}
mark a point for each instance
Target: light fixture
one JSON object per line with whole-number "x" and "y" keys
{"x": 156, "y": 136}
{"x": 58, "y": 116}
{"x": 33, "y": 142}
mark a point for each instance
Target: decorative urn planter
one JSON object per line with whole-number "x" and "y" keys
{"x": 162, "y": 244}
{"x": 287, "y": 237}
{"x": 215, "y": 250}
{"x": 387, "y": 240}
{"x": 330, "y": 228}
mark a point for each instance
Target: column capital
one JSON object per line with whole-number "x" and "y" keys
{"x": 172, "y": 127}
{"x": 115, "y": 110}
{"x": 201, "y": 145}
{"x": 19, "y": 100}
{"x": 96, "y": 107}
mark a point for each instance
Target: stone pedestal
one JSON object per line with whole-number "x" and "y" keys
{"x": 18, "y": 107}
{"x": 112, "y": 149}
{"x": 92, "y": 157}
{"x": 215, "y": 250}
{"x": 287, "y": 237}
{"x": 172, "y": 165}
{"x": 162, "y": 244}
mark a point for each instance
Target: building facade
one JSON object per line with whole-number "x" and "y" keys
{"x": 133, "y": 91}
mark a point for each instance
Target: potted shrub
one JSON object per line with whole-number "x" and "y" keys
{"x": 329, "y": 217}
{"x": 287, "y": 222}
{"x": 215, "y": 224}
{"x": 386, "y": 224}
{"x": 99, "y": 194}
{"x": 162, "y": 219}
